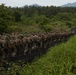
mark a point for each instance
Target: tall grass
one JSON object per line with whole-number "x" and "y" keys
{"x": 59, "y": 60}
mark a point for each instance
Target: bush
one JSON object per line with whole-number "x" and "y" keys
{"x": 14, "y": 29}
{"x": 3, "y": 26}
{"x": 63, "y": 17}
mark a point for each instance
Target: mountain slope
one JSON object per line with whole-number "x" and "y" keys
{"x": 70, "y": 5}
{"x": 36, "y": 5}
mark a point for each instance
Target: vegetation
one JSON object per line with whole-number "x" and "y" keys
{"x": 59, "y": 60}
{"x": 39, "y": 19}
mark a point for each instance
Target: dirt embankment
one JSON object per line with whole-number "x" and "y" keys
{"x": 18, "y": 46}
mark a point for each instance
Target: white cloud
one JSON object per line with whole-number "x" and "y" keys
{"x": 40, "y": 2}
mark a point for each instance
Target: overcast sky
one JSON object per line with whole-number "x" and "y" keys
{"x": 20, "y": 3}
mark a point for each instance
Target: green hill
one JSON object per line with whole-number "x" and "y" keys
{"x": 35, "y": 19}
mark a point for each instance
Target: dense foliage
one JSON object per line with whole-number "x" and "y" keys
{"x": 38, "y": 18}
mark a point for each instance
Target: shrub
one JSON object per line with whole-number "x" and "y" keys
{"x": 3, "y": 26}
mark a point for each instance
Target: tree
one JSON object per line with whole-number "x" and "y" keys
{"x": 17, "y": 16}
{"x": 3, "y": 26}
{"x": 6, "y": 16}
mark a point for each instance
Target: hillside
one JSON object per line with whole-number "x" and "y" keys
{"x": 36, "y": 19}
{"x": 36, "y": 5}
{"x": 70, "y": 5}
{"x": 59, "y": 60}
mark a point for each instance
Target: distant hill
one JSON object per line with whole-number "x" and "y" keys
{"x": 69, "y": 5}
{"x": 35, "y": 5}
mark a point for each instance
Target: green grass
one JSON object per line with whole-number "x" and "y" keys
{"x": 59, "y": 60}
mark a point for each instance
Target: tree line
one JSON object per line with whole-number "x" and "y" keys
{"x": 46, "y": 17}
